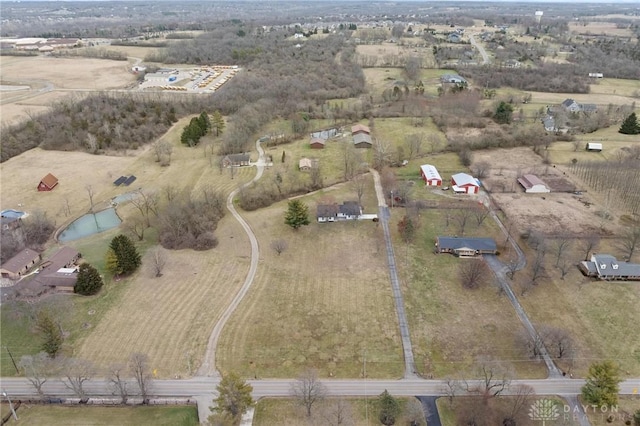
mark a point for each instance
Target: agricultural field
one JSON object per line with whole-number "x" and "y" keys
{"x": 44, "y": 415}
{"x": 325, "y": 302}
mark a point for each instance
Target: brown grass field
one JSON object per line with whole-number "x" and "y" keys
{"x": 599, "y": 28}
{"x": 324, "y": 303}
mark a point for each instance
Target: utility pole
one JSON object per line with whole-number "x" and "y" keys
{"x": 12, "y": 360}
{"x": 15, "y": 416}
{"x": 364, "y": 375}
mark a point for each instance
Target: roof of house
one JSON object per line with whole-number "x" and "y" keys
{"x": 60, "y": 278}
{"x": 360, "y": 128}
{"x": 21, "y": 260}
{"x": 529, "y": 181}
{"x": 452, "y": 78}
{"x": 49, "y": 180}
{"x": 430, "y": 172}
{"x": 305, "y": 163}
{"x": 361, "y": 138}
{"x": 474, "y": 243}
{"x": 549, "y": 122}
{"x": 317, "y": 140}
{"x": 60, "y": 258}
{"x": 238, "y": 157}
{"x": 327, "y": 210}
{"x": 594, "y": 145}
{"x": 568, "y": 102}
{"x": 608, "y": 265}
{"x": 589, "y": 107}
{"x": 350, "y": 208}
{"x": 462, "y": 179}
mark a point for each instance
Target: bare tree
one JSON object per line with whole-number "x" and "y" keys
{"x": 146, "y": 203}
{"x": 163, "y": 150}
{"x": 382, "y": 154}
{"x": 494, "y": 378}
{"x": 481, "y": 169}
{"x": 338, "y": 413}
{"x": 170, "y": 192}
{"x": 558, "y": 342}
{"x": 451, "y": 389}
{"x": 359, "y": 184}
{"x": 461, "y": 217}
{"x": 564, "y": 266}
{"x": 139, "y": 367}
{"x": 118, "y": 383}
{"x": 77, "y": 371}
{"x": 560, "y": 245}
{"x": 480, "y": 212}
{"x": 473, "y": 273}
{"x": 136, "y": 226}
{"x": 589, "y": 244}
{"x": 414, "y": 143}
{"x": 308, "y": 389}
{"x": 90, "y": 193}
{"x": 279, "y": 246}
{"x": 520, "y": 399}
{"x": 158, "y": 260}
{"x": 537, "y": 266}
{"x": 37, "y": 369}
{"x": 629, "y": 241}
{"x": 315, "y": 174}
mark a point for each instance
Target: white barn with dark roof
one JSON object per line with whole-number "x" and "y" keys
{"x": 532, "y": 184}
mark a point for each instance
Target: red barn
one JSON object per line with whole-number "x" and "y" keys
{"x": 464, "y": 184}
{"x": 48, "y": 183}
{"x": 430, "y": 175}
{"x": 360, "y": 129}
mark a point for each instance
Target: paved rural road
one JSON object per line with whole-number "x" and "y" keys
{"x": 208, "y": 367}
{"x": 409, "y": 363}
{"x": 483, "y": 53}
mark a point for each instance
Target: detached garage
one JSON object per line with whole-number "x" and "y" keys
{"x": 533, "y": 185}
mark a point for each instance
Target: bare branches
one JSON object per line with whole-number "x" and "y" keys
{"x": 118, "y": 383}
{"x": 308, "y": 390}
{"x": 279, "y": 246}
{"x": 473, "y": 273}
{"x": 77, "y": 371}
{"x": 139, "y": 367}
{"x": 158, "y": 261}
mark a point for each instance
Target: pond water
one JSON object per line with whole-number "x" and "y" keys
{"x": 90, "y": 224}
{"x": 127, "y": 196}
{"x": 13, "y": 214}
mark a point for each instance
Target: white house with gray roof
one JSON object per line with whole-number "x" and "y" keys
{"x": 608, "y": 268}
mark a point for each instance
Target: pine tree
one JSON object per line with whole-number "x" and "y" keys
{"x": 602, "y": 385}
{"x": 234, "y": 398}
{"x": 630, "y": 125}
{"x": 89, "y": 280}
{"x": 389, "y": 408}
{"x": 217, "y": 124}
{"x": 503, "y": 114}
{"x": 51, "y": 331}
{"x": 297, "y": 214}
{"x": 128, "y": 258}
{"x": 111, "y": 262}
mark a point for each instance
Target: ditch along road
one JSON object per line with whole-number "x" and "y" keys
{"x": 208, "y": 367}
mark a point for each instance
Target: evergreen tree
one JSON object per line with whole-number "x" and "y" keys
{"x": 128, "y": 258}
{"x": 204, "y": 123}
{"x": 389, "y": 408}
{"x": 51, "y": 332}
{"x": 602, "y": 385}
{"x": 234, "y": 398}
{"x": 217, "y": 124}
{"x": 89, "y": 280}
{"x": 111, "y": 262}
{"x": 297, "y": 214}
{"x": 630, "y": 125}
{"x": 503, "y": 114}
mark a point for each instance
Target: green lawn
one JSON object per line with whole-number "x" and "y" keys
{"x": 35, "y": 415}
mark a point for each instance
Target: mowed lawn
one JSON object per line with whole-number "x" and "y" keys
{"x": 324, "y": 303}
{"x": 169, "y": 318}
{"x": 45, "y": 415}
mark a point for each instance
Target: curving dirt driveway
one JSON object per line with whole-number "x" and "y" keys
{"x": 208, "y": 367}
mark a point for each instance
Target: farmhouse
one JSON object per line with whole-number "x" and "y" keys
{"x": 20, "y": 264}
{"x": 572, "y": 106}
{"x": 463, "y": 183}
{"x": 317, "y": 143}
{"x": 305, "y": 164}
{"x": 452, "y": 78}
{"x": 533, "y": 185}
{"x": 430, "y": 175}
{"x": 48, "y": 183}
{"x": 593, "y": 147}
{"x": 362, "y": 140}
{"x": 466, "y": 247}
{"x": 236, "y": 160}
{"x": 608, "y": 268}
{"x": 349, "y": 210}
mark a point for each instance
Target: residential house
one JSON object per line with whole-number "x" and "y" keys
{"x": 362, "y": 140}
{"x": 532, "y": 184}
{"x": 549, "y": 124}
{"x": 466, "y": 246}
{"x": 572, "y": 106}
{"x": 349, "y": 210}
{"x": 430, "y": 175}
{"x": 596, "y": 75}
{"x": 452, "y": 78}
{"x": 327, "y": 213}
{"x": 60, "y": 270}
{"x": 454, "y": 37}
{"x": 608, "y": 268}
{"x": 236, "y": 160}
{"x": 593, "y": 147}
{"x": 317, "y": 143}
{"x": 305, "y": 164}
{"x": 512, "y": 63}
{"x": 48, "y": 183}
{"x": 463, "y": 183}
{"x": 20, "y": 264}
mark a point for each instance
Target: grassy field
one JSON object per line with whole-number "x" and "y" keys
{"x": 324, "y": 303}
{"x": 627, "y": 406}
{"x": 42, "y": 415}
{"x": 288, "y": 412}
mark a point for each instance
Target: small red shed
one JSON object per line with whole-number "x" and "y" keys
{"x": 48, "y": 183}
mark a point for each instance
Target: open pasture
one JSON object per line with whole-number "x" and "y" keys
{"x": 324, "y": 303}
{"x": 593, "y": 28}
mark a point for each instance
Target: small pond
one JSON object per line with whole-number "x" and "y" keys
{"x": 90, "y": 224}
{"x": 13, "y": 214}
{"x": 127, "y": 196}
